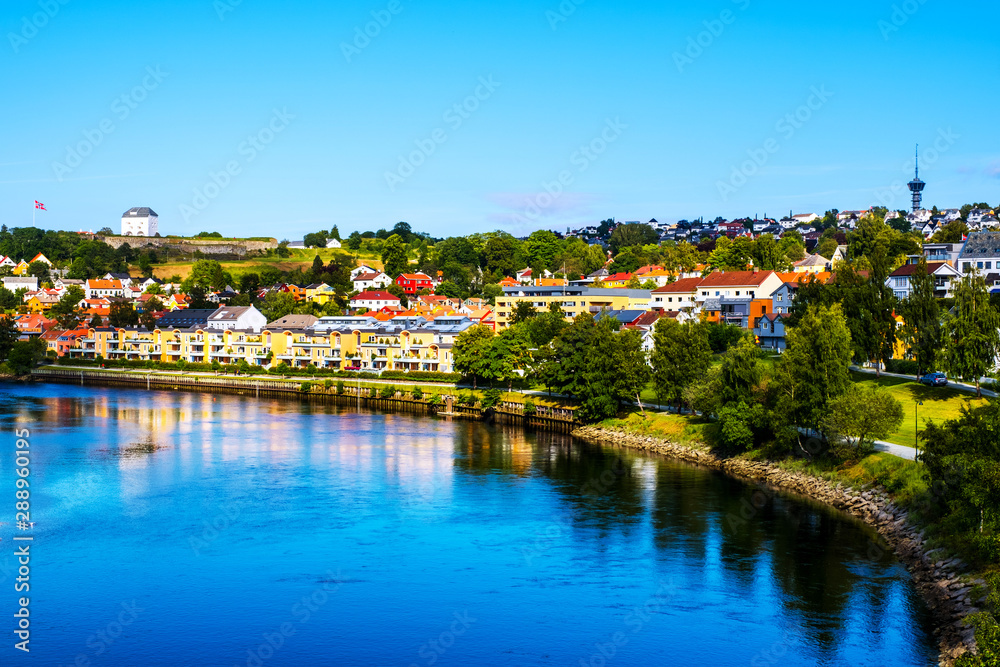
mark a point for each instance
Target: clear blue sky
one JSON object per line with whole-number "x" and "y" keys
{"x": 673, "y": 131}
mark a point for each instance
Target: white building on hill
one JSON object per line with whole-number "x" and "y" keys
{"x": 140, "y": 221}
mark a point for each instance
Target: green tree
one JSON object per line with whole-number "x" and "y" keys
{"x": 65, "y": 310}
{"x": 354, "y": 241}
{"x": 499, "y": 254}
{"x": 861, "y": 416}
{"x": 633, "y": 367}
{"x": 315, "y": 240}
{"x": 9, "y": 333}
{"x": 508, "y": 356}
{"x": 817, "y": 363}
{"x": 631, "y": 235}
{"x": 25, "y": 355}
{"x": 39, "y": 270}
{"x": 277, "y": 304}
{"x": 681, "y": 355}
{"x": 122, "y": 315}
{"x": 207, "y": 274}
{"x": 394, "y": 256}
{"x": 522, "y": 312}
{"x": 472, "y": 351}
{"x": 540, "y": 250}
{"x": 973, "y": 333}
{"x": 922, "y": 316}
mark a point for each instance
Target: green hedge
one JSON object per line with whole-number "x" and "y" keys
{"x": 902, "y": 367}
{"x": 412, "y": 376}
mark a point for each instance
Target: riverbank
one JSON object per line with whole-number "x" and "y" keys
{"x": 444, "y": 400}
{"x": 945, "y": 585}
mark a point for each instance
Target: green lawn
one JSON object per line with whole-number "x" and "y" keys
{"x": 939, "y": 403}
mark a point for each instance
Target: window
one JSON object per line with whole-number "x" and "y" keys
{"x": 781, "y": 298}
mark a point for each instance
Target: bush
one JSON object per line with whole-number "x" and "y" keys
{"x": 435, "y": 400}
{"x": 491, "y": 398}
{"x": 388, "y": 392}
{"x": 902, "y": 367}
{"x": 305, "y": 387}
{"x": 327, "y": 384}
{"x": 340, "y": 387}
{"x": 467, "y": 399}
{"x": 417, "y": 393}
{"x": 529, "y": 409}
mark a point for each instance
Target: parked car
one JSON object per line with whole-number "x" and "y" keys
{"x": 934, "y": 380}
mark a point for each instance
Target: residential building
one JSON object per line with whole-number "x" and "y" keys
{"x": 98, "y": 288}
{"x": 981, "y": 252}
{"x": 900, "y": 280}
{"x": 414, "y": 283}
{"x": 374, "y": 300}
{"x": 679, "y": 295}
{"x": 374, "y": 280}
{"x": 14, "y": 283}
{"x": 292, "y": 322}
{"x": 243, "y": 318}
{"x": 738, "y": 284}
{"x": 186, "y": 318}
{"x": 770, "y": 332}
{"x": 573, "y": 300}
{"x": 320, "y": 293}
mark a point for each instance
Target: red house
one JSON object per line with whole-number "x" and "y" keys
{"x": 412, "y": 283}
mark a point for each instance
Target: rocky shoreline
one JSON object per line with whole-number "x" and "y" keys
{"x": 942, "y": 583}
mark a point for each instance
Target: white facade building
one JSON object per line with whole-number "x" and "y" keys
{"x": 140, "y": 221}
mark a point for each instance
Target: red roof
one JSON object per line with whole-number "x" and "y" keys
{"x": 375, "y": 296}
{"x": 911, "y": 269}
{"x": 618, "y": 277}
{"x": 682, "y": 286}
{"x": 736, "y": 278}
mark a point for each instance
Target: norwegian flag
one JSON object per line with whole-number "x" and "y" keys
{"x": 40, "y": 205}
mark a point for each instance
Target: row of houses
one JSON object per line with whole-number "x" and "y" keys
{"x": 20, "y": 268}
{"x": 231, "y": 334}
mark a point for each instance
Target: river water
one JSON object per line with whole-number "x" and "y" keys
{"x": 182, "y": 529}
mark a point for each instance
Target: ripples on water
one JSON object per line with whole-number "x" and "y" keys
{"x": 209, "y": 526}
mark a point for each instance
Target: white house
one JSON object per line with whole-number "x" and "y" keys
{"x": 374, "y": 300}
{"x": 362, "y": 268}
{"x": 97, "y": 289}
{"x": 14, "y": 283}
{"x": 240, "y": 318}
{"x": 7, "y": 261}
{"x": 679, "y": 295}
{"x": 371, "y": 281}
{"x": 332, "y": 243}
{"x": 140, "y": 221}
{"x": 124, "y": 278}
{"x": 738, "y": 284}
{"x": 944, "y": 274}
{"x": 981, "y": 252}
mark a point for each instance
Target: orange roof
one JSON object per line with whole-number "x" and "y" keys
{"x": 509, "y": 282}
{"x": 104, "y": 284}
{"x": 821, "y": 276}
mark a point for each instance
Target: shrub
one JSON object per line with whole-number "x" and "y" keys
{"x": 467, "y": 399}
{"x": 902, "y": 366}
{"x": 306, "y": 387}
{"x": 529, "y": 409}
{"x": 216, "y": 366}
{"x": 435, "y": 400}
{"x": 388, "y": 392}
{"x": 340, "y": 386}
{"x": 491, "y": 398}
{"x": 327, "y": 384}
{"x": 417, "y": 393}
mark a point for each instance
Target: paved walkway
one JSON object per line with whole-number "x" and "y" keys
{"x": 958, "y": 386}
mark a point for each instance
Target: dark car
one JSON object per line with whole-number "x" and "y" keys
{"x": 934, "y": 379}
